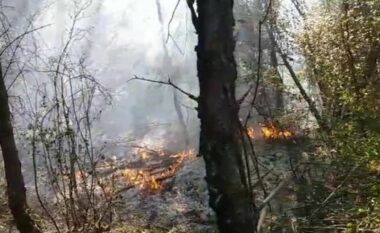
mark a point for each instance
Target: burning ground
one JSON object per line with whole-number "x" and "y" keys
{"x": 158, "y": 189}
{"x": 167, "y": 191}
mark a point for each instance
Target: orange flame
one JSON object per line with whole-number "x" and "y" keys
{"x": 270, "y": 132}
{"x": 146, "y": 179}
{"x": 144, "y": 153}
{"x": 251, "y": 132}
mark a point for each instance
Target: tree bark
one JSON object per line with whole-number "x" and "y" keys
{"x": 15, "y": 181}
{"x": 220, "y": 141}
{"x": 181, "y": 119}
{"x": 274, "y": 63}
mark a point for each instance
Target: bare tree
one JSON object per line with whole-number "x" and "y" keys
{"x": 15, "y": 182}
{"x": 13, "y": 173}
{"x": 61, "y": 139}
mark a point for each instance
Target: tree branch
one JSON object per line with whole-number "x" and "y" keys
{"x": 20, "y": 37}
{"x": 244, "y": 96}
{"x": 168, "y": 83}
{"x": 171, "y": 19}
{"x": 312, "y": 107}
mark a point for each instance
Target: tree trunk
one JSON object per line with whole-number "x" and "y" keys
{"x": 15, "y": 182}
{"x": 181, "y": 119}
{"x": 220, "y": 141}
{"x": 274, "y": 63}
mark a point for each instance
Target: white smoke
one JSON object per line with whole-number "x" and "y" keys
{"x": 124, "y": 38}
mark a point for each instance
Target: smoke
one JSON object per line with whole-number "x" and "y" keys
{"x": 121, "y": 39}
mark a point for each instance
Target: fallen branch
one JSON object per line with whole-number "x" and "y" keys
{"x": 275, "y": 191}
{"x": 285, "y": 181}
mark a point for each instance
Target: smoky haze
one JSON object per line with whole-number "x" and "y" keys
{"x": 121, "y": 39}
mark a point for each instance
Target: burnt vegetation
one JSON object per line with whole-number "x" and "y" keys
{"x": 230, "y": 116}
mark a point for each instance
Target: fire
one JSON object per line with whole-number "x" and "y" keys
{"x": 145, "y": 153}
{"x": 147, "y": 178}
{"x": 270, "y": 132}
{"x": 140, "y": 178}
{"x": 251, "y": 132}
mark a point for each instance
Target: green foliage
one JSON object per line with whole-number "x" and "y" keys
{"x": 341, "y": 45}
{"x": 365, "y": 218}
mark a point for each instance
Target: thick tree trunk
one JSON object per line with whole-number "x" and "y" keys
{"x": 220, "y": 142}
{"x": 15, "y": 182}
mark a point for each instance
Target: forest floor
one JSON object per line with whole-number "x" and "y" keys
{"x": 6, "y": 221}
{"x": 182, "y": 206}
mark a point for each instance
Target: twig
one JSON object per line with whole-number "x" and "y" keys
{"x": 262, "y": 178}
{"x": 176, "y": 45}
{"x": 20, "y": 37}
{"x": 168, "y": 83}
{"x": 171, "y": 20}
{"x": 299, "y": 9}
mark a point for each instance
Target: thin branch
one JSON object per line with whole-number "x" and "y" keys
{"x": 258, "y": 75}
{"x": 171, "y": 19}
{"x": 168, "y": 83}
{"x": 312, "y": 106}
{"x": 269, "y": 172}
{"x": 35, "y": 174}
{"x": 299, "y": 9}
{"x": 269, "y": 7}
{"x": 4, "y": 33}
{"x": 244, "y": 96}
{"x": 20, "y": 37}
{"x": 176, "y": 45}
